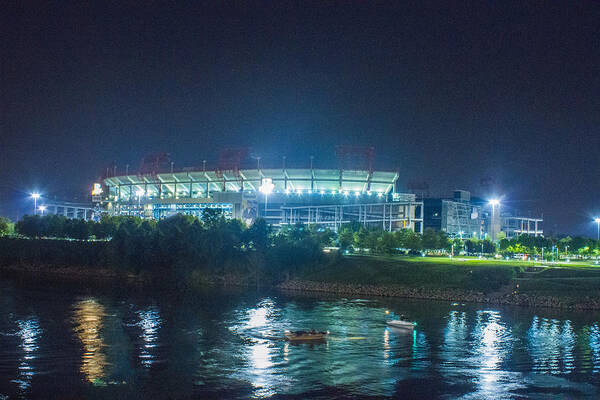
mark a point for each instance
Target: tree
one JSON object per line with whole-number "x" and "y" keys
{"x": 6, "y": 227}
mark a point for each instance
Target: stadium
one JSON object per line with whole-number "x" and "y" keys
{"x": 351, "y": 192}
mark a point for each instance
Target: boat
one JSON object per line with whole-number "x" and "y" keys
{"x": 401, "y": 323}
{"x": 305, "y": 335}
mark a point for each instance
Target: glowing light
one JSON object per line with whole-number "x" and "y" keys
{"x": 35, "y": 195}
{"x": 333, "y": 191}
{"x": 494, "y": 202}
{"x": 299, "y": 191}
{"x": 345, "y": 193}
{"x": 140, "y": 193}
{"x": 357, "y": 194}
{"x": 379, "y": 194}
{"x": 287, "y": 191}
{"x": 42, "y": 208}
{"x": 597, "y": 220}
{"x": 267, "y": 186}
{"x": 369, "y": 192}
{"x": 322, "y": 192}
{"x": 97, "y": 190}
{"x": 309, "y": 191}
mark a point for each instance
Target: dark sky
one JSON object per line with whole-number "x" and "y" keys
{"x": 448, "y": 92}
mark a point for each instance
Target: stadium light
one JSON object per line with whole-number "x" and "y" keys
{"x": 494, "y": 202}
{"x": 42, "y": 209}
{"x": 597, "y": 221}
{"x": 35, "y": 196}
{"x": 266, "y": 187}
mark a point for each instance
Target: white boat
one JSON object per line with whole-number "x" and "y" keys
{"x": 401, "y": 323}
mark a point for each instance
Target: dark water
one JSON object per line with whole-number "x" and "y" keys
{"x": 61, "y": 342}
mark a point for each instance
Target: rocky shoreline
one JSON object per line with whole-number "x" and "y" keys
{"x": 456, "y": 295}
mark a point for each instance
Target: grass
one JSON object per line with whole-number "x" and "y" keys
{"x": 572, "y": 279}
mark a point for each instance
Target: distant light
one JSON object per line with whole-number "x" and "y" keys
{"x": 42, "y": 208}
{"x": 345, "y": 193}
{"x": 97, "y": 190}
{"x": 35, "y": 195}
{"x": 333, "y": 191}
{"x": 267, "y": 186}
{"x": 357, "y": 194}
{"x": 494, "y": 202}
{"x": 287, "y": 191}
{"x": 369, "y": 192}
{"x": 309, "y": 191}
{"x": 379, "y": 194}
{"x": 299, "y": 191}
{"x": 597, "y": 220}
{"x": 140, "y": 193}
{"x": 322, "y": 192}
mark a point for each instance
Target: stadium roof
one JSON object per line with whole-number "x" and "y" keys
{"x": 251, "y": 179}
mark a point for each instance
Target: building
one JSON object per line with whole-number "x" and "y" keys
{"x": 328, "y": 197}
{"x": 463, "y": 216}
{"x": 458, "y": 217}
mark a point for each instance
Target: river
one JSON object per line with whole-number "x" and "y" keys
{"x": 60, "y": 341}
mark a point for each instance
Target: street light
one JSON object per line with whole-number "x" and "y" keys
{"x": 494, "y": 203}
{"x": 35, "y": 196}
{"x": 597, "y": 221}
{"x": 42, "y": 209}
{"x": 139, "y": 193}
{"x": 266, "y": 187}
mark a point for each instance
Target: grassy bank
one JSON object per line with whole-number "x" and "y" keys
{"x": 485, "y": 276}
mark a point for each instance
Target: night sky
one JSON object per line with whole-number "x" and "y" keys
{"x": 448, "y": 92}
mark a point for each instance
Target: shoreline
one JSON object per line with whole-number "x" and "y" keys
{"x": 103, "y": 275}
{"x": 455, "y": 295}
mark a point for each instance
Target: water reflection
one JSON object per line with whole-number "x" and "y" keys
{"x": 551, "y": 344}
{"x": 150, "y": 323}
{"x": 594, "y": 342}
{"x": 88, "y": 316}
{"x": 28, "y": 333}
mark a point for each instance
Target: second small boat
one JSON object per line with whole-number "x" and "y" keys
{"x": 401, "y": 323}
{"x": 305, "y": 335}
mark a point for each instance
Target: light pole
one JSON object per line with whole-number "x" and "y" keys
{"x": 35, "y": 196}
{"x": 139, "y": 193}
{"x": 266, "y": 187}
{"x": 493, "y": 203}
{"x": 597, "y": 220}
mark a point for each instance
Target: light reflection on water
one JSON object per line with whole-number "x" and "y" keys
{"x": 551, "y": 343}
{"x": 28, "y": 333}
{"x": 88, "y": 316}
{"x": 233, "y": 347}
{"x": 150, "y": 323}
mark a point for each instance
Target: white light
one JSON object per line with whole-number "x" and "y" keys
{"x": 345, "y": 193}
{"x": 597, "y": 220}
{"x": 333, "y": 192}
{"x": 42, "y": 208}
{"x": 379, "y": 194}
{"x": 299, "y": 191}
{"x": 267, "y": 186}
{"x": 287, "y": 191}
{"x": 322, "y": 192}
{"x": 97, "y": 190}
{"x": 494, "y": 202}
{"x": 139, "y": 193}
{"x": 35, "y": 195}
{"x": 357, "y": 194}
{"x": 369, "y": 192}
{"x": 309, "y": 191}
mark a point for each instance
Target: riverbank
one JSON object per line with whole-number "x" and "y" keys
{"x": 462, "y": 282}
{"x": 452, "y": 295}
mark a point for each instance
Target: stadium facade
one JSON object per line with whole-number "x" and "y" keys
{"x": 327, "y": 197}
